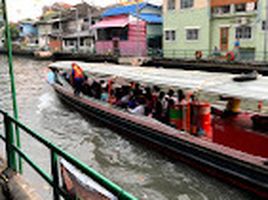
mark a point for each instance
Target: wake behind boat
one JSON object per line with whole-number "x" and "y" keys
{"x": 226, "y": 148}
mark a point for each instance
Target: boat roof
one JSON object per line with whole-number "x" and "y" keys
{"x": 217, "y": 83}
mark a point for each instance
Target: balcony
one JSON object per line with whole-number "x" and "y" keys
{"x": 234, "y": 10}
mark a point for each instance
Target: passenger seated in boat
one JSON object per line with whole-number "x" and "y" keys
{"x": 104, "y": 94}
{"x": 155, "y": 94}
{"x": 137, "y": 90}
{"x": 171, "y": 105}
{"x": 149, "y": 101}
{"x": 158, "y": 109}
{"x": 180, "y": 96}
{"x": 132, "y": 103}
{"x": 96, "y": 89}
{"x": 140, "y": 109}
{"x": 112, "y": 98}
{"x": 232, "y": 106}
{"x": 86, "y": 86}
{"x": 52, "y": 76}
{"x": 123, "y": 102}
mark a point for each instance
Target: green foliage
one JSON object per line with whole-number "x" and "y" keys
{"x": 14, "y": 31}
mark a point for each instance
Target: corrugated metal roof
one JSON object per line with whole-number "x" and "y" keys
{"x": 151, "y": 18}
{"x": 125, "y": 10}
{"x": 111, "y": 22}
{"x": 217, "y": 83}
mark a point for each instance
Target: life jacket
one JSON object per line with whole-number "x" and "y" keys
{"x": 78, "y": 72}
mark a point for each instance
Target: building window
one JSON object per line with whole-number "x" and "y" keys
{"x": 187, "y": 4}
{"x": 240, "y": 7}
{"x": 243, "y": 32}
{"x": 82, "y": 42}
{"x": 171, "y": 5}
{"x": 56, "y": 26}
{"x": 170, "y": 35}
{"x": 246, "y": 7}
{"x": 221, "y": 10}
{"x": 71, "y": 43}
{"x": 66, "y": 43}
{"x": 263, "y": 25}
{"x": 192, "y": 34}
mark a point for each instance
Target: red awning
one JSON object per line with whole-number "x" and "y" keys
{"x": 215, "y": 3}
{"x": 111, "y": 23}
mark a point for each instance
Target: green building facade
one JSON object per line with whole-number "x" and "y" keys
{"x": 214, "y": 27}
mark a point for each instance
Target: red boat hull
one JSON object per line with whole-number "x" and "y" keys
{"x": 236, "y": 132}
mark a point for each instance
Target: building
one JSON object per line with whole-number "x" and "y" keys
{"x": 77, "y": 34}
{"x": 28, "y": 34}
{"x": 47, "y": 38}
{"x": 131, "y": 30}
{"x": 214, "y": 26}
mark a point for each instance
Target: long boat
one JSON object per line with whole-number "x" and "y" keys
{"x": 234, "y": 162}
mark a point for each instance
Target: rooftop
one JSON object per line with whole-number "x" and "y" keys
{"x": 129, "y": 9}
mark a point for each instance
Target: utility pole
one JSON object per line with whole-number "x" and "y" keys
{"x": 77, "y": 27}
{"x": 89, "y": 12}
{"x": 78, "y": 31}
{"x": 60, "y": 32}
{"x": 266, "y": 32}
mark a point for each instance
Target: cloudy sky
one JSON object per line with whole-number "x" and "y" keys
{"x": 21, "y": 9}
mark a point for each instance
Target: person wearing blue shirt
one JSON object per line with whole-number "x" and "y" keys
{"x": 237, "y": 49}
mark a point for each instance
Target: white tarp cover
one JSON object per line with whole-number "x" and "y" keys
{"x": 88, "y": 188}
{"x": 219, "y": 83}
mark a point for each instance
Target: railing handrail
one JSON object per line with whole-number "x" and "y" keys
{"x": 106, "y": 183}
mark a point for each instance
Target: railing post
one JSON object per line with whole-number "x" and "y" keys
{"x": 11, "y": 73}
{"x": 55, "y": 175}
{"x": 11, "y": 157}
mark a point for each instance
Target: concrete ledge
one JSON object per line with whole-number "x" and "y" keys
{"x": 13, "y": 186}
{"x": 19, "y": 189}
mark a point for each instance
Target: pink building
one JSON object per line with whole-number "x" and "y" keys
{"x": 121, "y": 32}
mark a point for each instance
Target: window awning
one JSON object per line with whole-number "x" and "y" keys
{"x": 215, "y": 3}
{"x": 111, "y": 23}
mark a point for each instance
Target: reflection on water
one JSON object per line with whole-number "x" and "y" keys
{"x": 137, "y": 169}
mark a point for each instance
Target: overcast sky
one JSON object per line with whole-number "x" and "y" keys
{"x": 21, "y": 9}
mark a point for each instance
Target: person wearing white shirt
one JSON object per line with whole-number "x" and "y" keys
{"x": 140, "y": 109}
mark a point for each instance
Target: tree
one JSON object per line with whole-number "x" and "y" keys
{"x": 14, "y": 31}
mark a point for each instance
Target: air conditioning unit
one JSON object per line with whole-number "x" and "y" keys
{"x": 243, "y": 21}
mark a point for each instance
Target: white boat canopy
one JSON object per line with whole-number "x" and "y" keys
{"x": 217, "y": 83}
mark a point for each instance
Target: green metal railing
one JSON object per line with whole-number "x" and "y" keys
{"x": 245, "y": 54}
{"x": 12, "y": 151}
{"x": 11, "y": 73}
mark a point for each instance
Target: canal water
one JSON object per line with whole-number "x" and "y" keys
{"x": 139, "y": 170}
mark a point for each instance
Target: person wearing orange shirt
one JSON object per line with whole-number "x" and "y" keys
{"x": 78, "y": 78}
